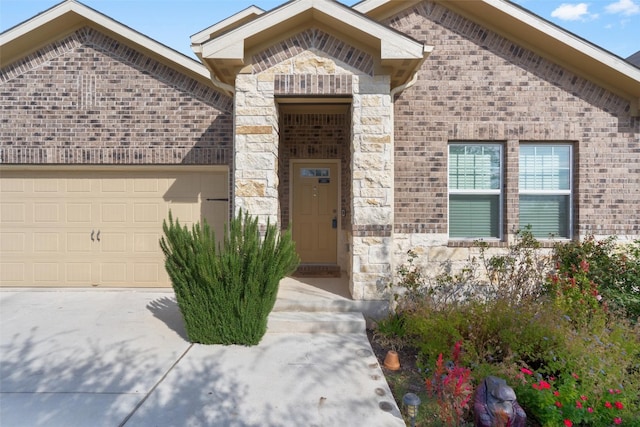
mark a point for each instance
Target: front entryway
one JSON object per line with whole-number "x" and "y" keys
{"x": 314, "y": 217}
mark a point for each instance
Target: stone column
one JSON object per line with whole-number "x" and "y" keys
{"x": 256, "y": 147}
{"x": 372, "y": 187}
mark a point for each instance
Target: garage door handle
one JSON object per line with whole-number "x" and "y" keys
{"x": 98, "y": 236}
{"x": 92, "y": 233}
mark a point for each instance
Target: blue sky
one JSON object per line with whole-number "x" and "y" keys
{"x": 611, "y": 24}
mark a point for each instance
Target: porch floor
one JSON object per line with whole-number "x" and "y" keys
{"x": 304, "y": 294}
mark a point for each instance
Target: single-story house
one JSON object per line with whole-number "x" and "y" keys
{"x": 369, "y": 130}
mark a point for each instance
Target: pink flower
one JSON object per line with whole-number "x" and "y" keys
{"x": 526, "y": 371}
{"x": 617, "y": 420}
{"x": 574, "y": 375}
{"x": 619, "y": 405}
{"x": 556, "y": 393}
{"x": 608, "y": 405}
{"x": 558, "y": 404}
{"x": 544, "y": 385}
{"x": 568, "y": 423}
{"x": 583, "y": 398}
{"x": 590, "y": 410}
{"x": 578, "y": 404}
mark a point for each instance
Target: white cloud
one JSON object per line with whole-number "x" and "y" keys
{"x": 625, "y": 7}
{"x": 572, "y": 12}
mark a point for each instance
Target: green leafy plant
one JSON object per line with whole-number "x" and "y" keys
{"x": 225, "y": 293}
{"x": 391, "y": 332}
{"x": 577, "y": 295}
{"x": 613, "y": 267}
{"x": 556, "y": 401}
{"x": 511, "y": 309}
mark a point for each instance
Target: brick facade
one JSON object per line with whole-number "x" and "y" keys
{"x": 88, "y": 99}
{"x": 479, "y": 86}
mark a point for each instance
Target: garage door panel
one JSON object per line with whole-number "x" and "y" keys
{"x": 145, "y": 243}
{"x": 12, "y": 242}
{"x": 46, "y": 186}
{"x": 77, "y": 186}
{"x": 111, "y": 242}
{"x": 146, "y": 273}
{"x": 48, "y": 219}
{"x": 79, "y": 213}
{"x": 12, "y": 213}
{"x": 147, "y": 185}
{"x": 113, "y": 274}
{"x": 46, "y": 212}
{"x": 46, "y": 272}
{"x": 78, "y": 273}
{"x": 46, "y": 241}
{"x": 12, "y": 273}
{"x": 145, "y": 213}
{"x": 113, "y": 185}
{"x": 114, "y": 212}
{"x": 79, "y": 242}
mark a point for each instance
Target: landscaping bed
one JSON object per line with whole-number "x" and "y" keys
{"x": 561, "y": 329}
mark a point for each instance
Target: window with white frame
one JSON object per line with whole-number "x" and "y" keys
{"x": 475, "y": 191}
{"x": 545, "y": 189}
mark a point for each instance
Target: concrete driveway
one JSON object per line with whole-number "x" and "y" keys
{"x": 120, "y": 357}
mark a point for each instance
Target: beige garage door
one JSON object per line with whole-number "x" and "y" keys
{"x": 99, "y": 228}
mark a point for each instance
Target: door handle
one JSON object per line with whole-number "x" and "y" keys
{"x": 334, "y": 222}
{"x": 98, "y": 236}
{"x": 92, "y": 233}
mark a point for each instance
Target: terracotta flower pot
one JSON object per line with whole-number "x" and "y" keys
{"x": 391, "y": 361}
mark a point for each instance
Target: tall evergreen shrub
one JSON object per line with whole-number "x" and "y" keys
{"x": 226, "y": 292}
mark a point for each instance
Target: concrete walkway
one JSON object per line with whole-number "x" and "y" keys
{"x": 120, "y": 357}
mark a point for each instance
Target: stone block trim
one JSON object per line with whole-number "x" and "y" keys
{"x": 479, "y": 86}
{"x": 316, "y": 40}
{"x": 89, "y": 99}
{"x": 313, "y": 84}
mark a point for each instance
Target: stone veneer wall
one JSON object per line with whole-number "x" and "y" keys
{"x": 479, "y": 86}
{"x": 89, "y": 99}
{"x": 313, "y": 63}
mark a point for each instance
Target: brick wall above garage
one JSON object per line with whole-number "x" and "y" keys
{"x": 89, "y": 99}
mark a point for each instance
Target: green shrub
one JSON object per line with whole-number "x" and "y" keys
{"x": 225, "y": 294}
{"x": 614, "y": 268}
{"x": 515, "y": 315}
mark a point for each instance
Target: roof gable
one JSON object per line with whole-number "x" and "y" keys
{"x": 70, "y": 15}
{"x": 538, "y": 35}
{"x": 227, "y": 53}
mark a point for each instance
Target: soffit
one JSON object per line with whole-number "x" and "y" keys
{"x": 229, "y": 52}
{"x": 70, "y": 15}
{"x": 543, "y": 37}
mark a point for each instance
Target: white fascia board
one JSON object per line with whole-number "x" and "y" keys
{"x": 567, "y": 38}
{"x": 367, "y": 6}
{"x": 101, "y": 20}
{"x": 221, "y": 46}
{"x": 204, "y": 35}
{"x": 37, "y": 21}
{"x": 393, "y": 45}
